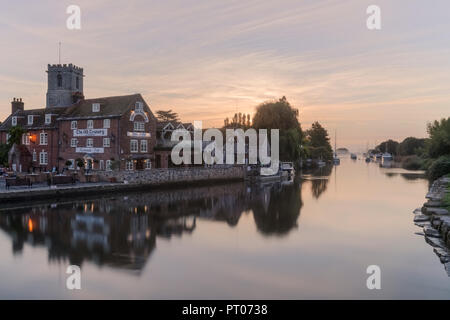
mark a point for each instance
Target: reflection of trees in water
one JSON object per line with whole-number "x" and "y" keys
{"x": 122, "y": 232}
{"x": 318, "y": 186}
{"x": 278, "y": 210}
{"x": 319, "y": 182}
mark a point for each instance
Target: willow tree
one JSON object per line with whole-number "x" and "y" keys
{"x": 281, "y": 115}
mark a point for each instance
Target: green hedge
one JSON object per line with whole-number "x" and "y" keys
{"x": 439, "y": 168}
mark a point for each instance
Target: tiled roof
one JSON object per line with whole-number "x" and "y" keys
{"x": 109, "y": 107}
{"x": 38, "y": 118}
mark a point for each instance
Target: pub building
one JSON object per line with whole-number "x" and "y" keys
{"x": 119, "y": 132}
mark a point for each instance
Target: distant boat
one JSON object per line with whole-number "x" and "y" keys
{"x": 353, "y": 156}
{"x": 368, "y": 159}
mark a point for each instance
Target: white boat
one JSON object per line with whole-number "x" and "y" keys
{"x": 387, "y": 157}
{"x": 287, "y": 167}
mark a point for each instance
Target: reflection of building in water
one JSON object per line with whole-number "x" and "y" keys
{"x": 121, "y": 232}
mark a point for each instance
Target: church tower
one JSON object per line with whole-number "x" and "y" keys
{"x": 65, "y": 85}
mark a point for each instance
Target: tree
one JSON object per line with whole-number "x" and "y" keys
{"x": 389, "y": 146}
{"x": 15, "y": 135}
{"x": 439, "y": 142}
{"x": 318, "y": 142}
{"x": 281, "y": 115}
{"x": 167, "y": 115}
{"x": 410, "y": 146}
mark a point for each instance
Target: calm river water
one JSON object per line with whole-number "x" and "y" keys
{"x": 313, "y": 238}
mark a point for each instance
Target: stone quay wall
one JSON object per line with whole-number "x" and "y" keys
{"x": 434, "y": 217}
{"x": 174, "y": 175}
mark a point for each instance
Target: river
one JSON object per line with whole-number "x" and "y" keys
{"x": 312, "y": 238}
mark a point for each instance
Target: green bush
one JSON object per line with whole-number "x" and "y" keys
{"x": 439, "y": 168}
{"x": 412, "y": 163}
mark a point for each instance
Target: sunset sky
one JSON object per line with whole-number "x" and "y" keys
{"x": 207, "y": 60}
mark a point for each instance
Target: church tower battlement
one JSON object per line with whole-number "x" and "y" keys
{"x": 65, "y": 85}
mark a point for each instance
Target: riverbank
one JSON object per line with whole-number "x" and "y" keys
{"x": 126, "y": 181}
{"x": 434, "y": 218}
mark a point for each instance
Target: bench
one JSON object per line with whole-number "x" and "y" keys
{"x": 14, "y": 182}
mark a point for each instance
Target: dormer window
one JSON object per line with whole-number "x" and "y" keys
{"x": 30, "y": 119}
{"x": 14, "y": 121}
{"x": 139, "y": 106}
{"x": 95, "y": 107}
{"x": 48, "y": 118}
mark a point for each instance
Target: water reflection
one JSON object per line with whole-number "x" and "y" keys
{"x": 122, "y": 232}
{"x": 319, "y": 178}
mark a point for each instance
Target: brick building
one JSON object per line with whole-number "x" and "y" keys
{"x": 102, "y": 133}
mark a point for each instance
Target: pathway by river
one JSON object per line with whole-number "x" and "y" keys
{"x": 313, "y": 238}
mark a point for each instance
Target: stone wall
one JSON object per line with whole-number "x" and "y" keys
{"x": 174, "y": 175}
{"x": 435, "y": 220}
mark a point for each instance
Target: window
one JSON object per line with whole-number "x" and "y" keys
{"x": 144, "y": 146}
{"x": 43, "y": 157}
{"x": 139, "y": 126}
{"x": 148, "y": 164}
{"x": 7, "y": 137}
{"x": 133, "y": 146}
{"x": 72, "y": 164}
{"x": 108, "y": 165}
{"x": 59, "y": 80}
{"x": 34, "y": 155}
{"x": 30, "y": 119}
{"x": 90, "y": 124}
{"x": 74, "y": 142}
{"x": 77, "y": 83}
{"x": 43, "y": 139}
{"x": 106, "y": 142}
{"x": 95, "y": 107}
{"x": 89, "y": 142}
{"x": 139, "y": 106}
{"x": 14, "y": 121}
{"x": 102, "y": 165}
{"x": 106, "y": 123}
{"x": 129, "y": 165}
{"x": 48, "y": 118}
{"x": 73, "y": 125}
{"x": 25, "y": 139}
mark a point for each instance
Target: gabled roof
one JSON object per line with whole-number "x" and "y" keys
{"x": 164, "y": 125}
{"x": 109, "y": 107}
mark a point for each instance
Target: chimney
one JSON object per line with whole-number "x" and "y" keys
{"x": 16, "y": 104}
